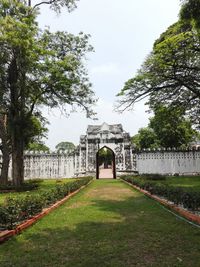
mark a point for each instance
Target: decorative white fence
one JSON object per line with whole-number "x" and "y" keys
{"x": 168, "y": 162}
{"x": 40, "y": 165}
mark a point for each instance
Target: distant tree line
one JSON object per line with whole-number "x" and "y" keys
{"x": 168, "y": 128}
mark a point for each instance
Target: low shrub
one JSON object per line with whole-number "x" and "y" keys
{"x": 15, "y": 210}
{"x": 26, "y": 186}
{"x": 154, "y": 177}
{"x": 34, "y": 181}
{"x": 31, "y": 205}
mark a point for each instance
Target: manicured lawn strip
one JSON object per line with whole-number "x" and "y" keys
{"x": 106, "y": 224}
{"x": 187, "y": 182}
{"x": 158, "y": 185}
{"x": 190, "y": 183}
{"x": 189, "y": 216}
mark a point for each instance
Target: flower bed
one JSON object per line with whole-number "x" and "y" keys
{"x": 15, "y": 210}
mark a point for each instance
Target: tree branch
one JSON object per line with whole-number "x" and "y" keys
{"x": 44, "y": 2}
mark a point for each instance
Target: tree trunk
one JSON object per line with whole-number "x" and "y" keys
{"x": 17, "y": 144}
{"x": 4, "y": 168}
{"x": 17, "y": 166}
{"x": 5, "y": 148}
{"x": 16, "y": 120}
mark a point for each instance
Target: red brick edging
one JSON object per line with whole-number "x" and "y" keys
{"x": 5, "y": 235}
{"x": 184, "y": 213}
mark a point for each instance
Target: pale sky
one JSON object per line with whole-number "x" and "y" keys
{"x": 122, "y": 34}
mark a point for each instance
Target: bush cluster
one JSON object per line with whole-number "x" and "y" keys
{"x": 15, "y": 210}
{"x": 154, "y": 177}
{"x": 178, "y": 195}
{"x": 26, "y": 186}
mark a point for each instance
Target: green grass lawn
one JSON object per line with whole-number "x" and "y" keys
{"x": 108, "y": 224}
{"x": 187, "y": 182}
{"x": 190, "y": 182}
{"x": 45, "y": 184}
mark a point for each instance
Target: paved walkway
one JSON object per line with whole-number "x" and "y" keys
{"x": 105, "y": 173}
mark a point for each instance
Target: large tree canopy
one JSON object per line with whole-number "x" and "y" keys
{"x": 170, "y": 74}
{"x": 190, "y": 12}
{"x": 38, "y": 68}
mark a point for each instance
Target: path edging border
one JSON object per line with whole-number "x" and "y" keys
{"x": 184, "y": 213}
{"x": 5, "y": 235}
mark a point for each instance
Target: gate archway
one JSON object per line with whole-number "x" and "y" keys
{"x": 105, "y": 161}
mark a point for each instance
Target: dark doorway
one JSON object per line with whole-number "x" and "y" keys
{"x": 105, "y": 163}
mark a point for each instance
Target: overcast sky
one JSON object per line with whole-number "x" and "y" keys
{"x": 122, "y": 34}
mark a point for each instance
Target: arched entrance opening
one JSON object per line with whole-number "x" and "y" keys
{"x": 105, "y": 163}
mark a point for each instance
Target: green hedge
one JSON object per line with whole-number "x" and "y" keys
{"x": 178, "y": 195}
{"x": 15, "y": 210}
{"x": 26, "y": 186}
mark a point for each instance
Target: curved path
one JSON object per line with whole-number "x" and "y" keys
{"x": 108, "y": 224}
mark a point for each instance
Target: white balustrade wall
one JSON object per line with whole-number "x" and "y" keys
{"x": 168, "y": 162}
{"x": 49, "y": 166}
{"x": 40, "y": 165}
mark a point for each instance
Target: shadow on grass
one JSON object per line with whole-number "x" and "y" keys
{"x": 129, "y": 232}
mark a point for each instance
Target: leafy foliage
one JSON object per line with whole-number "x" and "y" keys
{"x": 105, "y": 157}
{"x": 146, "y": 138}
{"x": 190, "y": 11}
{"x": 168, "y": 128}
{"x": 56, "y": 5}
{"x": 170, "y": 74}
{"x": 171, "y": 127}
{"x": 38, "y": 68}
{"x": 65, "y": 146}
{"x": 38, "y": 146}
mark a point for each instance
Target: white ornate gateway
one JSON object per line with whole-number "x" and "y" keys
{"x": 112, "y": 137}
{"x": 84, "y": 159}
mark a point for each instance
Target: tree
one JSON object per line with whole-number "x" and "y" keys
{"x": 65, "y": 146}
{"x": 38, "y": 68}
{"x": 190, "y": 11}
{"x": 146, "y": 138}
{"x": 38, "y": 146}
{"x": 35, "y": 133}
{"x": 170, "y": 74}
{"x": 55, "y": 5}
{"x": 171, "y": 127}
{"x": 168, "y": 128}
{"x": 5, "y": 148}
